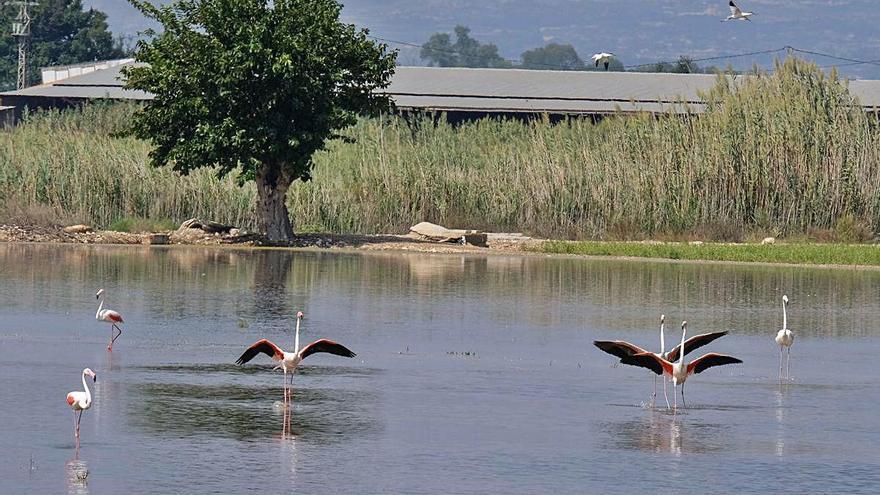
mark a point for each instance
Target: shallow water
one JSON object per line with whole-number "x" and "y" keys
{"x": 474, "y": 374}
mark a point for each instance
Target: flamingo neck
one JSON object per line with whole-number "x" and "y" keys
{"x": 681, "y": 350}
{"x": 296, "y": 339}
{"x": 662, "y": 342}
{"x": 100, "y": 307}
{"x": 86, "y": 388}
{"x": 784, "y": 317}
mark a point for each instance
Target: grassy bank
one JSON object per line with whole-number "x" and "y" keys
{"x": 801, "y": 254}
{"x": 784, "y": 155}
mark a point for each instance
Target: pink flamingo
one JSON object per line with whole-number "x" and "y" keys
{"x": 290, "y": 360}
{"x": 80, "y": 401}
{"x": 678, "y": 371}
{"x": 110, "y": 316}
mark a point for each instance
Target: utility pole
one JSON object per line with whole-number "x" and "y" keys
{"x": 21, "y": 29}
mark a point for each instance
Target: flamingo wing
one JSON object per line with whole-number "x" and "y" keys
{"x": 693, "y": 343}
{"x": 266, "y": 347}
{"x": 324, "y": 345}
{"x": 650, "y": 361}
{"x": 707, "y": 361}
{"x": 113, "y": 316}
{"x": 618, "y": 348}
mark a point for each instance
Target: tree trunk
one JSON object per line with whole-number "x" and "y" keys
{"x": 272, "y": 216}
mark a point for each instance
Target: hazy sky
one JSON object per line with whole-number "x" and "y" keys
{"x": 638, "y": 31}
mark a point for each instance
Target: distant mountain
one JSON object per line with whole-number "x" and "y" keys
{"x": 638, "y": 31}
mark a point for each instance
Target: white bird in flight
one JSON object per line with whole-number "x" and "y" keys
{"x": 604, "y": 58}
{"x": 738, "y": 15}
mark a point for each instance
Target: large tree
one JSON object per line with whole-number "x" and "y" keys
{"x": 61, "y": 33}
{"x": 440, "y": 51}
{"x": 254, "y": 87}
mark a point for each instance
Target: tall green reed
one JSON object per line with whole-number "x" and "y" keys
{"x": 776, "y": 154}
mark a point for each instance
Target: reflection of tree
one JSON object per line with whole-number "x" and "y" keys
{"x": 270, "y": 279}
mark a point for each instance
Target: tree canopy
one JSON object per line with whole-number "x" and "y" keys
{"x": 254, "y": 87}
{"x": 440, "y": 51}
{"x": 62, "y": 33}
{"x": 553, "y": 56}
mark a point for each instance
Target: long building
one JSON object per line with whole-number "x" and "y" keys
{"x": 459, "y": 93}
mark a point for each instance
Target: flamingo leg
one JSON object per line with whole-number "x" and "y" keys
{"x": 675, "y": 395}
{"x": 780, "y": 362}
{"x": 683, "y": 403}
{"x": 664, "y": 392}
{"x": 78, "y": 418}
{"x": 112, "y": 337}
{"x": 654, "y": 393}
{"x": 788, "y": 364}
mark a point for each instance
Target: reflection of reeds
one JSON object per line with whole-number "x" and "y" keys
{"x": 779, "y": 154}
{"x": 560, "y": 293}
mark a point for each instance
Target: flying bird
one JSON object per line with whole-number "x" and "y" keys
{"x": 679, "y": 371}
{"x": 784, "y": 338}
{"x": 738, "y": 15}
{"x": 290, "y": 360}
{"x": 604, "y": 58}
{"x": 80, "y": 401}
{"x": 110, "y": 316}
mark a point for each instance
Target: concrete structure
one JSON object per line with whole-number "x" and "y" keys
{"x": 7, "y": 117}
{"x": 51, "y": 75}
{"x": 458, "y": 92}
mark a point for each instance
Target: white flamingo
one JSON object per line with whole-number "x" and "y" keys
{"x": 80, "y": 401}
{"x": 784, "y": 338}
{"x": 290, "y": 360}
{"x": 603, "y": 58}
{"x": 738, "y": 15}
{"x": 622, "y": 349}
{"x": 110, "y": 316}
{"x": 679, "y": 371}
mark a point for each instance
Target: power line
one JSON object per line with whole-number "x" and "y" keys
{"x": 789, "y": 48}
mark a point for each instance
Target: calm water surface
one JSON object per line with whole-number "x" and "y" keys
{"x": 474, "y": 375}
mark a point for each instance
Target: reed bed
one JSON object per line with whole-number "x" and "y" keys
{"x": 785, "y": 154}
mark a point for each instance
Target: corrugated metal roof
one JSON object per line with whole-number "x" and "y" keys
{"x": 493, "y": 90}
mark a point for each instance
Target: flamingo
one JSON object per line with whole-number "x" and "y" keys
{"x": 784, "y": 338}
{"x": 80, "y": 401}
{"x": 678, "y": 371}
{"x": 624, "y": 349}
{"x": 604, "y": 58}
{"x": 737, "y": 15}
{"x": 110, "y": 316}
{"x": 289, "y": 361}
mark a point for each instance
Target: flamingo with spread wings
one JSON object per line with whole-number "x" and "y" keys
{"x": 679, "y": 371}
{"x": 622, "y": 349}
{"x": 290, "y": 360}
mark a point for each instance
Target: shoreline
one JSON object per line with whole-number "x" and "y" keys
{"x": 360, "y": 243}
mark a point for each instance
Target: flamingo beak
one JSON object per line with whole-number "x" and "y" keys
{"x": 299, "y": 314}
{"x": 94, "y": 378}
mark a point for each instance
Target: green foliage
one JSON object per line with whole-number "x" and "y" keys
{"x": 787, "y": 155}
{"x": 801, "y": 254}
{"x": 553, "y": 56}
{"x": 62, "y": 33}
{"x": 254, "y": 87}
{"x": 465, "y": 52}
